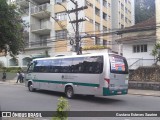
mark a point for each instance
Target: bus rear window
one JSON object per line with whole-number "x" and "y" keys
{"x": 118, "y": 64}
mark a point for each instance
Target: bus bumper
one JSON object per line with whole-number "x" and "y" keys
{"x": 108, "y": 92}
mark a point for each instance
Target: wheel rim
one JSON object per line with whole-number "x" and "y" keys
{"x": 69, "y": 92}
{"x": 31, "y": 88}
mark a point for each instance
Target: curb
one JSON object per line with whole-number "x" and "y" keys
{"x": 154, "y": 95}
{"x": 11, "y": 83}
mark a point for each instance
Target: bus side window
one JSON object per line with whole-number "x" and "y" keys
{"x": 66, "y": 65}
{"x": 93, "y": 64}
{"x": 78, "y": 66}
{"x": 55, "y": 66}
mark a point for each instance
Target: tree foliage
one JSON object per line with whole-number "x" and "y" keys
{"x": 11, "y": 29}
{"x": 144, "y": 9}
{"x": 156, "y": 52}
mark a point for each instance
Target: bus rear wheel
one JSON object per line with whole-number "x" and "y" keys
{"x": 69, "y": 92}
{"x": 30, "y": 87}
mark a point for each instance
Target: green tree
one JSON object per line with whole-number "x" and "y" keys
{"x": 144, "y": 9}
{"x": 11, "y": 29}
{"x": 156, "y": 52}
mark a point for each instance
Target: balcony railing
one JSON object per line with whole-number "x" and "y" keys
{"x": 44, "y": 25}
{"x": 40, "y": 8}
{"x": 25, "y": 12}
{"x": 22, "y": 3}
{"x": 40, "y": 43}
{"x": 42, "y": 29}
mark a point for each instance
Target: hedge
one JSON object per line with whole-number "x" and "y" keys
{"x": 12, "y": 69}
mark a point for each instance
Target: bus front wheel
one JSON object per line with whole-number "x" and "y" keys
{"x": 30, "y": 87}
{"x": 69, "y": 92}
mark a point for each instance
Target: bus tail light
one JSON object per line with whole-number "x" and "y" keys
{"x": 107, "y": 80}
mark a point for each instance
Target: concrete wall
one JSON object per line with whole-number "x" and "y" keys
{"x": 145, "y": 78}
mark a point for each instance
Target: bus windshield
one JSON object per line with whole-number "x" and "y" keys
{"x": 118, "y": 64}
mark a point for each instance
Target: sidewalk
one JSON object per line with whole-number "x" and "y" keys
{"x": 144, "y": 92}
{"x": 11, "y": 82}
{"x": 130, "y": 91}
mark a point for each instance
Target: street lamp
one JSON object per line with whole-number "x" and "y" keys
{"x": 67, "y": 13}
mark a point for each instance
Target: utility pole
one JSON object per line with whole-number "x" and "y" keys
{"x": 77, "y": 36}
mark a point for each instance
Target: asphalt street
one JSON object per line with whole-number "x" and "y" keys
{"x": 18, "y": 98}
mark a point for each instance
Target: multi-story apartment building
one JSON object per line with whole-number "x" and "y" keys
{"x": 49, "y": 28}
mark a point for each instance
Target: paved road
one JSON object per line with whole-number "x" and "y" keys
{"x": 18, "y": 98}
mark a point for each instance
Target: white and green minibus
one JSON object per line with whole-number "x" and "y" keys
{"x": 91, "y": 74}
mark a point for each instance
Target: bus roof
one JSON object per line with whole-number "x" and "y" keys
{"x": 72, "y": 56}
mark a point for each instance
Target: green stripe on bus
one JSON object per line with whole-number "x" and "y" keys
{"x": 65, "y": 82}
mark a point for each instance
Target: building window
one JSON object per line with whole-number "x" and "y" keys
{"x": 104, "y": 28}
{"x": 88, "y": 3}
{"x": 61, "y": 16}
{"x": 126, "y": 10}
{"x": 126, "y": 20}
{"x": 98, "y": 0}
{"x": 97, "y": 26}
{"x": 104, "y": 16}
{"x": 109, "y": 17}
{"x": 122, "y": 26}
{"x": 97, "y": 41}
{"x": 139, "y": 48}
{"x": 122, "y": 16}
{"x": 60, "y": 1}
{"x": 97, "y": 11}
{"x": 104, "y": 42}
{"x": 122, "y": 6}
{"x": 129, "y": 2}
{"x": 104, "y": 3}
{"x": 13, "y": 62}
{"x": 61, "y": 34}
{"x": 109, "y": 5}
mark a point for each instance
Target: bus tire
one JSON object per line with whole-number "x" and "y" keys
{"x": 30, "y": 87}
{"x": 69, "y": 92}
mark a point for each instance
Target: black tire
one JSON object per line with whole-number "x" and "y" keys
{"x": 69, "y": 92}
{"x": 30, "y": 87}
{"x": 90, "y": 96}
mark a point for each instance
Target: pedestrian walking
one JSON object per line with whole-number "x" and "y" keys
{"x": 22, "y": 79}
{"x": 19, "y": 77}
{"x": 4, "y": 76}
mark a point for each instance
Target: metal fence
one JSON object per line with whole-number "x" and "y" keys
{"x": 134, "y": 63}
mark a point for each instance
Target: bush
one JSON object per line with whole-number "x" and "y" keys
{"x": 12, "y": 69}
{"x": 62, "y": 109}
{"x": 95, "y": 47}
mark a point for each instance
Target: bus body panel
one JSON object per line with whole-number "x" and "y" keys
{"x": 82, "y": 83}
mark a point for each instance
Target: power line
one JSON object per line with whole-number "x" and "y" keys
{"x": 113, "y": 31}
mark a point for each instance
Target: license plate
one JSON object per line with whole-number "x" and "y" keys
{"x": 119, "y": 92}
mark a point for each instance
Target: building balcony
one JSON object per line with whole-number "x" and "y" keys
{"x": 41, "y": 11}
{"x": 41, "y": 1}
{"x": 23, "y": 3}
{"x": 37, "y": 44}
{"x": 25, "y": 12}
{"x": 41, "y": 29}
